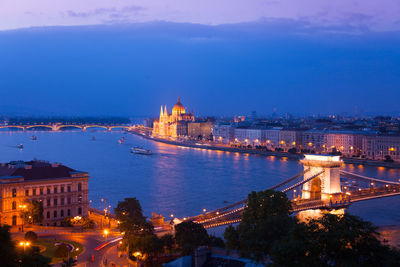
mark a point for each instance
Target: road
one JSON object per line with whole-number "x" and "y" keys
{"x": 89, "y": 239}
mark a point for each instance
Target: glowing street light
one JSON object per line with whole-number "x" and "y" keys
{"x": 105, "y": 233}
{"x": 23, "y": 207}
{"x": 24, "y": 244}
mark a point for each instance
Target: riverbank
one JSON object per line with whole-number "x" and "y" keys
{"x": 220, "y": 148}
{"x": 356, "y": 161}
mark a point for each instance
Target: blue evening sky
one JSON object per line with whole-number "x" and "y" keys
{"x": 218, "y": 65}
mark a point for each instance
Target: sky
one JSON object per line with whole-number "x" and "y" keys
{"x": 226, "y": 57}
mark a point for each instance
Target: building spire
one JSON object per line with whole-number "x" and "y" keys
{"x": 165, "y": 111}
{"x": 161, "y": 113}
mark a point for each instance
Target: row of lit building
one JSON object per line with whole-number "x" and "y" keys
{"x": 350, "y": 143}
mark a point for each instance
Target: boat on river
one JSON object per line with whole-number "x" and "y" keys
{"x": 141, "y": 151}
{"x": 121, "y": 140}
{"x": 33, "y": 137}
{"x": 20, "y": 146}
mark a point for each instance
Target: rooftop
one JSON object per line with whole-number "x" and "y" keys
{"x": 35, "y": 170}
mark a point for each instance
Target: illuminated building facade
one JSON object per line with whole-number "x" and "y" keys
{"x": 173, "y": 124}
{"x": 62, "y": 190}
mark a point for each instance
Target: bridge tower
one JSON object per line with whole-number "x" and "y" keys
{"x": 323, "y": 185}
{"x": 328, "y": 182}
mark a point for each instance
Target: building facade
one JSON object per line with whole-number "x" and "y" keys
{"x": 172, "y": 124}
{"x": 62, "y": 191}
{"x": 200, "y": 129}
{"x": 248, "y": 136}
{"x": 223, "y": 133}
{"x": 378, "y": 147}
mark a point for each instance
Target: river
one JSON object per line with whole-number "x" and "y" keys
{"x": 174, "y": 180}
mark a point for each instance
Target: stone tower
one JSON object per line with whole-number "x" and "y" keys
{"x": 327, "y": 182}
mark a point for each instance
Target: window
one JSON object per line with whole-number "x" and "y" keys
{"x": 41, "y": 191}
{"x": 14, "y": 205}
{"x": 48, "y": 202}
{"x": 80, "y": 199}
{"x": 79, "y": 210}
{"x": 68, "y": 212}
{"x": 55, "y": 202}
{"x": 55, "y": 214}
{"x": 14, "y": 220}
{"x": 26, "y": 192}
{"x": 48, "y": 215}
{"x": 62, "y": 201}
{"x": 62, "y": 213}
{"x": 79, "y": 187}
{"x": 62, "y": 189}
{"x": 69, "y": 188}
{"x": 55, "y": 190}
{"x": 34, "y": 191}
{"x": 14, "y": 192}
{"x": 48, "y": 190}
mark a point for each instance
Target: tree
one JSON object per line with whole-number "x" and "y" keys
{"x": 265, "y": 220}
{"x": 87, "y": 223}
{"x": 34, "y": 259}
{"x": 139, "y": 234}
{"x": 334, "y": 240}
{"x": 34, "y": 212}
{"x": 214, "y": 241}
{"x": 62, "y": 251}
{"x": 168, "y": 242}
{"x": 8, "y": 254}
{"x": 149, "y": 245}
{"x": 67, "y": 222}
{"x": 130, "y": 215}
{"x": 70, "y": 262}
{"x": 189, "y": 236}
{"x": 31, "y": 236}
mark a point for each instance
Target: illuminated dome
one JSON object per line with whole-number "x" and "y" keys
{"x": 178, "y": 108}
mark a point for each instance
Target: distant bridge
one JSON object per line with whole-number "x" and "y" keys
{"x": 60, "y": 126}
{"x": 350, "y": 188}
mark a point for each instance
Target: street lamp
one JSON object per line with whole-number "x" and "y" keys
{"x": 24, "y": 244}
{"x": 106, "y": 233}
{"x": 23, "y": 207}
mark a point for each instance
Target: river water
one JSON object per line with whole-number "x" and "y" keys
{"x": 174, "y": 180}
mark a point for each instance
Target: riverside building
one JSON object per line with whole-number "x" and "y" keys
{"x": 174, "y": 124}
{"x": 62, "y": 190}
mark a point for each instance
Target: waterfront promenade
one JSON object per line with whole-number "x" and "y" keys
{"x": 226, "y": 148}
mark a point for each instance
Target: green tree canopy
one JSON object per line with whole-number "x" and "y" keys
{"x": 31, "y": 236}
{"x": 265, "y": 220}
{"x": 33, "y": 258}
{"x": 334, "y": 241}
{"x": 34, "y": 212}
{"x": 130, "y": 215}
{"x": 8, "y": 254}
{"x": 189, "y": 236}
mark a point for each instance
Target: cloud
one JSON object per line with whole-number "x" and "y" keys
{"x": 111, "y": 12}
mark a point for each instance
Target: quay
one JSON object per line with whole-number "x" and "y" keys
{"x": 146, "y": 133}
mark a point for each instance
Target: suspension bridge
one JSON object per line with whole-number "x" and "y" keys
{"x": 322, "y": 185}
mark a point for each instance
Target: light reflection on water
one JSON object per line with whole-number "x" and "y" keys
{"x": 174, "y": 179}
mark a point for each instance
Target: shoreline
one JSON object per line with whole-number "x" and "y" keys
{"x": 367, "y": 162}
